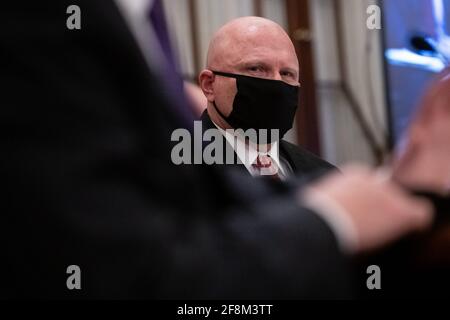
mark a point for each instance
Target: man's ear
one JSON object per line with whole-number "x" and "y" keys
{"x": 206, "y": 81}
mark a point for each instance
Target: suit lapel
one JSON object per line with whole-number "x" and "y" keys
{"x": 286, "y": 155}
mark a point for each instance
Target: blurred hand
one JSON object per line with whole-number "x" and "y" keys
{"x": 379, "y": 210}
{"x": 423, "y": 161}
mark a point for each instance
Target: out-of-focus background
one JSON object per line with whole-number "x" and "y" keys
{"x": 359, "y": 86}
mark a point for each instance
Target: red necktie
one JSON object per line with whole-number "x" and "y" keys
{"x": 265, "y": 167}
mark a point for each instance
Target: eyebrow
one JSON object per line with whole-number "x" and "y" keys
{"x": 253, "y": 62}
{"x": 264, "y": 64}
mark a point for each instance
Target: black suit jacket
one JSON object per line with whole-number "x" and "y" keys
{"x": 86, "y": 163}
{"x": 302, "y": 162}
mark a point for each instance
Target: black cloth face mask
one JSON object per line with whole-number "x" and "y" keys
{"x": 261, "y": 104}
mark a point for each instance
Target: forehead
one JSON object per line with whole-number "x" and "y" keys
{"x": 259, "y": 44}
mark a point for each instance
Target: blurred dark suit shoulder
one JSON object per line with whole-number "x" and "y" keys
{"x": 90, "y": 182}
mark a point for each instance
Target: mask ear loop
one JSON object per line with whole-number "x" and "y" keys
{"x": 218, "y": 111}
{"x": 223, "y": 74}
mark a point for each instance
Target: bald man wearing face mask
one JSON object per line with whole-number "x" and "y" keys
{"x": 251, "y": 82}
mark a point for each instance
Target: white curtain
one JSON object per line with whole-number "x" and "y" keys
{"x": 342, "y": 138}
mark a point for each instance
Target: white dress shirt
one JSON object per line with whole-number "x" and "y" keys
{"x": 248, "y": 153}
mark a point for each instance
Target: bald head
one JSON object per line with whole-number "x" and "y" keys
{"x": 249, "y": 38}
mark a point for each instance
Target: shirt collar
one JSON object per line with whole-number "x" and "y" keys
{"x": 249, "y": 150}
